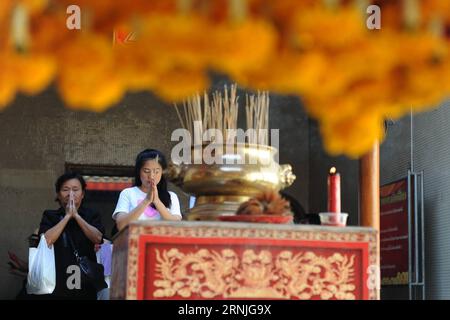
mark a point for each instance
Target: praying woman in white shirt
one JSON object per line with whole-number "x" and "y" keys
{"x": 149, "y": 199}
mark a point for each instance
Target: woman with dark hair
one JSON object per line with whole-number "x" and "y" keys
{"x": 149, "y": 199}
{"x": 82, "y": 225}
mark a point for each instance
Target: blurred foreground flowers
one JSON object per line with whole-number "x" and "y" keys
{"x": 350, "y": 78}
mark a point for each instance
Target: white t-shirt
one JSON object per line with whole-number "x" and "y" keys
{"x": 130, "y": 198}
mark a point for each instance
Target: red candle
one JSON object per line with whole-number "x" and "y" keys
{"x": 334, "y": 191}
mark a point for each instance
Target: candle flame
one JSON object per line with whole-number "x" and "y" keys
{"x": 333, "y": 170}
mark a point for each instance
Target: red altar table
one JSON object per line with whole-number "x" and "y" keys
{"x": 226, "y": 260}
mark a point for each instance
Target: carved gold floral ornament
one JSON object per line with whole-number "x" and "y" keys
{"x": 227, "y": 274}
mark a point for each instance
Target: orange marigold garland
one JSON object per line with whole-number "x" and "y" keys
{"x": 350, "y": 77}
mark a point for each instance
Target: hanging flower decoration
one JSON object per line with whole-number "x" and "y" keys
{"x": 350, "y": 78}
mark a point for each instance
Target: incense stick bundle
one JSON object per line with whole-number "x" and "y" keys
{"x": 257, "y": 115}
{"x": 221, "y": 113}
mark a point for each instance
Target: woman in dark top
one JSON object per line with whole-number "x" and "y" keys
{"x": 82, "y": 225}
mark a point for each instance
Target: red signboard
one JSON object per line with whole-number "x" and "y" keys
{"x": 394, "y": 233}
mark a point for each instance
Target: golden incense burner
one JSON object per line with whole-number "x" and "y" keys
{"x": 241, "y": 171}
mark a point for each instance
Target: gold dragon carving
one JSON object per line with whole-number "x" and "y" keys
{"x": 208, "y": 274}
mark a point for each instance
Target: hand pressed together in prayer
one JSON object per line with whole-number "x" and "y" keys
{"x": 155, "y": 192}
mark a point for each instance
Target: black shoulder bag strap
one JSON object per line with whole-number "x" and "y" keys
{"x": 72, "y": 245}
{"x": 68, "y": 238}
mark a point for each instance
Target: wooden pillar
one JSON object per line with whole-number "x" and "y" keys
{"x": 369, "y": 173}
{"x": 369, "y": 193}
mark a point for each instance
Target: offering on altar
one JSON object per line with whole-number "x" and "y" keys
{"x": 267, "y": 207}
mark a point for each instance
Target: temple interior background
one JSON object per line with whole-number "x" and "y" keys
{"x": 40, "y": 138}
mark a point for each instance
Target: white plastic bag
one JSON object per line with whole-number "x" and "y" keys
{"x": 41, "y": 269}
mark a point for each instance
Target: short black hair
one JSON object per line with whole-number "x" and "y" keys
{"x": 296, "y": 207}
{"x": 69, "y": 176}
